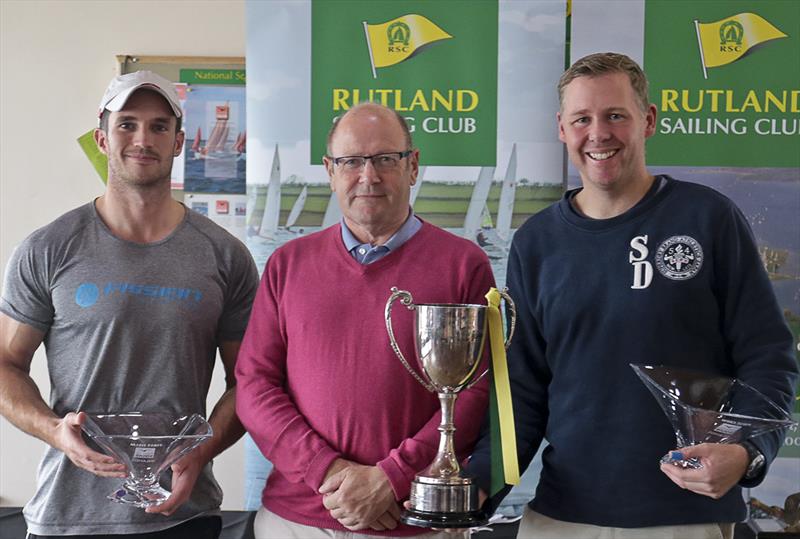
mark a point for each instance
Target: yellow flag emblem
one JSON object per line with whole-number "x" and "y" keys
{"x": 399, "y": 39}
{"x": 729, "y": 39}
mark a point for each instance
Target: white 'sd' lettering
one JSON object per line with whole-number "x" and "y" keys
{"x": 642, "y": 269}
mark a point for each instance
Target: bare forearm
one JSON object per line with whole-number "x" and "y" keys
{"x": 226, "y": 425}
{"x": 22, "y": 404}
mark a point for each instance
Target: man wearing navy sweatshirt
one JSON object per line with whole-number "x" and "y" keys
{"x": 597, "y": 287}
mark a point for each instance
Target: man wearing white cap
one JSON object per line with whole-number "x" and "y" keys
{"x": 132, "y": 296}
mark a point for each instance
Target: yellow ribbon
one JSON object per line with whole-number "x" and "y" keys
{"x": 508, "y": 438}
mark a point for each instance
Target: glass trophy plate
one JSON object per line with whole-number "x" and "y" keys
{"x": 147, "y": 443}
{"x": 708, "y": 408}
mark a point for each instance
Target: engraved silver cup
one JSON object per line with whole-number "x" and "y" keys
{"x": 449, "y": 340}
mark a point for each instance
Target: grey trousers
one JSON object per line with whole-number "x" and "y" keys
{"x": 537, "y": 526}
{"x": 268, "y": 525}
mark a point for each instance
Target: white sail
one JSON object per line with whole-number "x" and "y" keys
{"x": 297, "y": 208}
{"x": 416, "y": 187}
{"x": 472, "y": 221}
{"x": 272, "y": 210}
{"x": 333, "y": 214}
{"x": 256, "y": 198}
{"x": 486, "y": 217}
{"x": 506, "y": 209}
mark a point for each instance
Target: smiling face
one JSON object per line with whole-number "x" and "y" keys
{"x": 374, "y": 204}
{"x": 604, "y": 128}
{"x": 141, "y": 141}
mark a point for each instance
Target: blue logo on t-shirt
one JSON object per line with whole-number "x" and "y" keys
{"x": 86, "y": 295}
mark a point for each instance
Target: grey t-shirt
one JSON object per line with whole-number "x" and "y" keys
{"x": 129, "y": 327}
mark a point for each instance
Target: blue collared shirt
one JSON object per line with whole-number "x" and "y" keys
{"x": 364, "y": 253}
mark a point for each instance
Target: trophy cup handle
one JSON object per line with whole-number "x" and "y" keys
{"x": 513, "y": 308}
{"x": 406, "y": 299}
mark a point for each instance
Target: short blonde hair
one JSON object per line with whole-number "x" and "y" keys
{"x": 604, "y": 63}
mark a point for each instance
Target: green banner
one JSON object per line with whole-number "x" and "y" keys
{"x": 725, "y": 78}
{"x": 96, "y": 157}
{"x": 213, "y": 76}
{"x": 433, "y": 62}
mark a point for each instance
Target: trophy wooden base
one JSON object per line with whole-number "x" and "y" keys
{"x": 426, "y": 519}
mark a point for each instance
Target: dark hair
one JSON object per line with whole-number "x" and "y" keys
{"x": 400, "y": 120}
{"x": 604, "y": 63}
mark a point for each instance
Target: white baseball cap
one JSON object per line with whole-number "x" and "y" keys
{"x": 121, "y": 88}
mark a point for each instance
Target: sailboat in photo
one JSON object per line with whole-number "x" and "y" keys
{"x": 416, "y": 187}
{"x": 218, "y": 146}
{"x": 240, "y": 146}
{"x": 486, "y": 226}
{"x": 272, "y": 209}
{"x": 297, "y": 208}
{"x": 333, "y": 214}
{"x": 480, "y": 193}
{"x": 505, "y": 211}
{"x": 198, "y": 137}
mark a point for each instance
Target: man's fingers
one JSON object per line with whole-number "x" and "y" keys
{"x": 333, "y": 482}
{"x": 386, "y": 520}
{"x": 98, "y": 464}
{"x": 101, "y": 458}
{"x": 180, "y": 494}
{"x": 170, "y": 504}
{"x": 338, "y": 513}
{"x": 94, "y": 457}
{"x": 75, "y": 419}
{"x": 690, "y": 479}
{"x": 394, "y": 511}
{"x": 676, "y": 474}
{"x": 348, "y": 522}
{"x": 180, "y": 466}
{"x": 108, "y": 470}
{"x": 330, "y": 501}
{"x": 75, "y": 448}
{"x": 103, "y": 473}
{"x": 165, "y": 508}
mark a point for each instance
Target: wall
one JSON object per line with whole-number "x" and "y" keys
{"x": 56, "y": 58}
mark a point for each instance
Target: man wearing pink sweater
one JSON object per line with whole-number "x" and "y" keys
{"x": 319, "y": 387}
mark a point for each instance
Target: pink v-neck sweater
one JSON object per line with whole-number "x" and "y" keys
{"x": 317, "y": 378}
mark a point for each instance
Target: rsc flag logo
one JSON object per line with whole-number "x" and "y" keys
{"x": 399, "y": 39}
{"x": 727, "y": 40}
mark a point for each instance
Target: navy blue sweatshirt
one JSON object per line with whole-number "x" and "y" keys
{"x": 676, "y": 280}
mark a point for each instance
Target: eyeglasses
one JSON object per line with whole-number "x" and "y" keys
{"x": 383, "y": 162}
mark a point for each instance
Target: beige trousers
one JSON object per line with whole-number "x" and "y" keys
{"x": 537, "y": 526}
{"x": 268, "y": 525}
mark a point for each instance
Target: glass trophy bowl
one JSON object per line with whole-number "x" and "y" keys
{"x": 147, "y": 443}
{"x": 708, "y": 408}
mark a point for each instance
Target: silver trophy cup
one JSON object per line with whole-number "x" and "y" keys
{"x": 449, "y": 340}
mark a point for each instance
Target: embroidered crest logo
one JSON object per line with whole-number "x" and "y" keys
{"x": 679, "y": 258}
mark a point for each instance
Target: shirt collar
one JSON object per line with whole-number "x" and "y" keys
{"x": 410, "y": 227}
